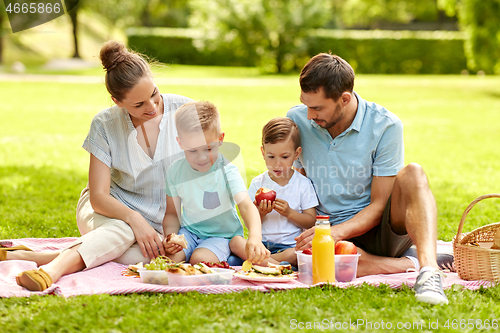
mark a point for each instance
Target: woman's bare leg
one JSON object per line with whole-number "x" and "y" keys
{"x": 41, "y": 258}
{"x": 67, "y": 262}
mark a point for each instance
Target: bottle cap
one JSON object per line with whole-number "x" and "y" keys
{"x": 322, "y": 217}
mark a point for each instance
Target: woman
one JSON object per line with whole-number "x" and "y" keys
{"x": 131, "y": 144}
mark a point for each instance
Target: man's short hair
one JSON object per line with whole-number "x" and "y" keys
{"x": 197, "y": 116}
{"x": 281, "y": 129}
{"x": 328, "y": 71}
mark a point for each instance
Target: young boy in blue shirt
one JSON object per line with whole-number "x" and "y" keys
{"x": 207, "y": 187}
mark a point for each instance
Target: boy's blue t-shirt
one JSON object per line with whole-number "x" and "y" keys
{"x": 207, "y": 208}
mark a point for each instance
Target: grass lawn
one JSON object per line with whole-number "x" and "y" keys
{"x": 452, "y": 128}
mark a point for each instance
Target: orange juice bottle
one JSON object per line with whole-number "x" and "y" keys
{"x": 323, "y": 252}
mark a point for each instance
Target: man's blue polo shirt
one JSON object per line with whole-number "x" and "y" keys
{"x": 341, "y": 169}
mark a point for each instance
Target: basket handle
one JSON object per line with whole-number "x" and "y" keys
{"x": 467, "y": 210}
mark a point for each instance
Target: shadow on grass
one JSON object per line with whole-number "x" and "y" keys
{"x": 38, "y": 201}
{"x": 493, "y": 94}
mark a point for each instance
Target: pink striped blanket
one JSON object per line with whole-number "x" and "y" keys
{"x": 107, "y": 278}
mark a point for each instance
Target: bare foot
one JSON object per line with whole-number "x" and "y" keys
{"x": 370, "y": 264}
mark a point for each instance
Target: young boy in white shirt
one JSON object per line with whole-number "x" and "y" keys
{"x": 294, "y": 208}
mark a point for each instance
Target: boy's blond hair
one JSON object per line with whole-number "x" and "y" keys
{"x": 280, "y": 129}
{"x": 197, "y": 116}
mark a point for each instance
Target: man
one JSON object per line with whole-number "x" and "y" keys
{"x": 353, "y": 152}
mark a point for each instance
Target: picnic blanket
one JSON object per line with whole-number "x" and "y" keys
{"x": 108, "y": 278}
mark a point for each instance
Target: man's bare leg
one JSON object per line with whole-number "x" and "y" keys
{"x": 413, "y": 211}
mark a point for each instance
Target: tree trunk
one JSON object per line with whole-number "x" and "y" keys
{"x": 1, "y": 38}
{"x": 73, "y": 14}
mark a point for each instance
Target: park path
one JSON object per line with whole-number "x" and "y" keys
{"x": 50, "y": 78}
{"x": 86, "y": 79}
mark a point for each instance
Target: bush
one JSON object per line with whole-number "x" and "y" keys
{"x": 177, "y": 46}
{"x": 371, "y": 51}
{"x": 391, "y": 52}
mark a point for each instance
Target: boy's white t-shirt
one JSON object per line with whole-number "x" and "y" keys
{"x": 300, "y": 195}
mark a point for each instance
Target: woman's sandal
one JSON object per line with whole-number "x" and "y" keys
{"x": 3, "y": 250}
{"x": 34, "y": 280}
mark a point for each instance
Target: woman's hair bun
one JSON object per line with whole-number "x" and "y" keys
{"x": 124, "y": 68}
{"x": 113, "y": 53}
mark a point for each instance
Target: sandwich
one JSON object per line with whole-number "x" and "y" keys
{"x": 133, "y": 270}
{"x": 261, "y": 271}
{"x": 186, "y": 269}
{"x": 177, "y": 239}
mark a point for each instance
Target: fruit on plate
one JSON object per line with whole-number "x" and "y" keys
{"x": 265, "y": 194}
{"x": 159, "y": 263}
{"x": 247, "y": 266}
{"x": 345, "y": 247}
{"x": 345, "y": 273}
{"x": 308, "y": 251}
{"x": 222, "y": 264}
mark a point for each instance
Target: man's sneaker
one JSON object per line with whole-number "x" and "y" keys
{"x": 429, "y": 287}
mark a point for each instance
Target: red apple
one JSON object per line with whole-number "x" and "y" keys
{"x": 344, "y": 273}
{"x": 265, "y": 194}
{"x": 345, "y": 247}
{"x": 308, "y": 251}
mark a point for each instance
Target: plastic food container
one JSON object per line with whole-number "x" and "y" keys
{"x": 221, "y": 276}
{"x": 346, "y": 266}
{"x": 153, "y": 277}
{"x": 305, "y": 262}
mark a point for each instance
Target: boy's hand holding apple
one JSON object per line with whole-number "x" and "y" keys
{"x": 265, "y": 207}
{"x": 265, "y": 201}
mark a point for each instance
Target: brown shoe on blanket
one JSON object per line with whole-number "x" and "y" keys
{"x": 34, "y": 280}
{"x": 3, "y": 250}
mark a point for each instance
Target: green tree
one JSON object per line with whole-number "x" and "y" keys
{"x": 72, "y": 8}
{"x": 117, "y": 13}
{"x": 3, "y": 16}
{"x": 480, "y": 20}
{"x": 271, "y": 31}
{"x": 166, "y": 13}
{"x": 373, "y": 13}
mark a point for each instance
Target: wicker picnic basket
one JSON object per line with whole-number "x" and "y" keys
{"x": 473, "y": 262}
